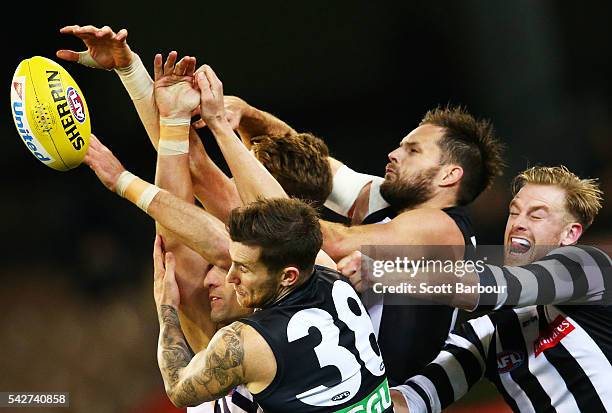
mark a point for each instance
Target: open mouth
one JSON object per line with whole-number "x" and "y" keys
{"x": 519, "y": 246}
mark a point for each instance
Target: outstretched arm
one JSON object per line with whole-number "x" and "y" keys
{"x": 173, "y": 91}
{"x": 252, "y": 179}
{"x": 109, "y": 50}
{"x": 193, "y": 226}
{"x": 460, "y": 365}
{"x": 249, "y": 121}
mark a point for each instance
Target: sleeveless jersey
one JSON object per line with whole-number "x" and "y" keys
{"x": 326, "y": 353}
{"x": 410, "y": 336}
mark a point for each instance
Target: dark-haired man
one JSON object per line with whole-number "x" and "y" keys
{"x": 439, "y": 167}
{"x": 273, "y": 249}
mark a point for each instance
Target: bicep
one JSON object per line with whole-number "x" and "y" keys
{"x": 213, "y": 373}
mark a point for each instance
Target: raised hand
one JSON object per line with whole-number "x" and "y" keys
{"x": 212, "y": 107}
{"x": 105, "y": 48}
{"x": 175, "y": 93}
{"x": 102, "y": 161}
{"x": 165, "y": 288}
{"x": 234, "y": 108}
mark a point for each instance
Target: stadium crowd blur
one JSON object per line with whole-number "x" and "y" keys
{"x": 76, "y": 275}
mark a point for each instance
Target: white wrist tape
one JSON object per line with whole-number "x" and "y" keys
{"x": 136, "y": 79}
{"x": 174, "y": 121}
{"x": 347, "y": 185}
{"x": 136, "y": 190}
{"x": 169, "y": 148}
{"x": 173, "y": 137}
{"x": 125, "y": 179}
{"x": 85, "y": 59}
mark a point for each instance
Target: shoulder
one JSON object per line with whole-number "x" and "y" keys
{"x": 582, "y": 254}
{"x": 433, "y": 225}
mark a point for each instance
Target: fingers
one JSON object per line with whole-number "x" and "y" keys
{"x": 69, "y": 29}
{"x": 122, "y": 35}
{"x": 191, "y": 64}
{"x": 181, "y": 67}
{"x": 158, "y": 258}
{"x": 216, "y": 85}
{"x": 157, "y": 67}
{"x": 170, "y": 266}
{"x": 170, "y": 61}
{"x": 94, "y": 142}
{"x": 105, "y": 32}
{"x": 68, "y": 55}
{"x": 204, "y": 85}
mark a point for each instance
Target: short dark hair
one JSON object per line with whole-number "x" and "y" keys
{"x": 470, "y": 143}
{"x": 299, "y": 164}
{"x": 287, "y": 230}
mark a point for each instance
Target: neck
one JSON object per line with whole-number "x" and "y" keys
{"x": 285, "y": 291}
{"x": 439, "y": 201}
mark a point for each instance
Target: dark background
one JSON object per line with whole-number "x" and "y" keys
{"x": 358, "y": 74}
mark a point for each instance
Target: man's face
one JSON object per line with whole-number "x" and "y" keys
{"x": 413, "y": 168}
{"x": 224, "y": 307}
{"x": 255, "y": 286}
{"x": 537, "y": 223}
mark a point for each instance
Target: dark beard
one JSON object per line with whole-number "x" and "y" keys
{"x": 402, "y": 195}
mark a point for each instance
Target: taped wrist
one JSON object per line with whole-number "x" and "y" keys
{"x": 173, "y": 136}
{"x": 136, "y": 79}
{"x": 85, "y": 59}
{"x": 136, "y": 190}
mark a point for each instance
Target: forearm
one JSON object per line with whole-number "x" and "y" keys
{"x": 173, "y": 353}
{"x": 193, "y": 226}
{"x": 139, "y": 86}
{"x": 255, "y": 122}
{"x": 252, "y": 179}
{"x": 340, "y": 240}
{"x": 215, "y": 190}
{"x": 172, "y": 174}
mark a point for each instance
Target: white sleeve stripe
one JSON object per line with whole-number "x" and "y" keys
{"x": 455, "y": 373}
{"x": 484, "y": 329}
{"x": 415, "y": 402}
{"x": 466, "y": 344}
{"x": 529, "y": 283}
{"x": 500, "y": 280}
{"x": 428, "y": 387}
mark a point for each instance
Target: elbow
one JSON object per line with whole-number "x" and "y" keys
{"x": 179, "y": 400}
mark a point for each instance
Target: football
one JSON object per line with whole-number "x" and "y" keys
{"x": 50, "y": 113}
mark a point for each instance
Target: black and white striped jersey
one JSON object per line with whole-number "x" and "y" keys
{"x": 238, "y": 401}
{"x": 542, "y": 358}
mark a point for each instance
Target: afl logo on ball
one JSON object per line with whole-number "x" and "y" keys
{"x": 76, "y": 104}
{"x": 508, "y": 361}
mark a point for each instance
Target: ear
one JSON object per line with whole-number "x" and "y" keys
{"x": 450, "y": 175}
{"x": 289, "y": 276}
{"x": 571, "y": 234}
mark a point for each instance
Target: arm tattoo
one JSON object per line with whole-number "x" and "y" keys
{"x": 208, "y": 377}
{"x": 173, "y": 353}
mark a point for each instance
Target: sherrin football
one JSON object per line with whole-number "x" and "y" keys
{"x": 50, "y": 113}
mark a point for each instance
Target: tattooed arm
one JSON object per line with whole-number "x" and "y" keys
{"x": 210, "y": 374}
{"x": 213, "y": 372}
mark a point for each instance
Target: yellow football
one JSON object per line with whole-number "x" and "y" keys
{"x": 50, "y": 113}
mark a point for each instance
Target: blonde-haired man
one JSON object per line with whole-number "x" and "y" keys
{"x": 547, "y": 345}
